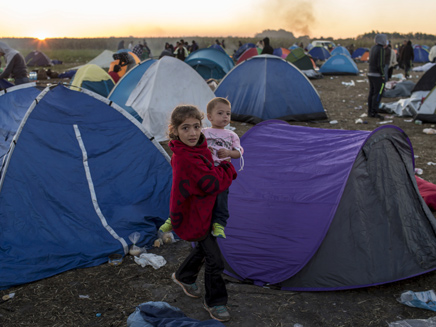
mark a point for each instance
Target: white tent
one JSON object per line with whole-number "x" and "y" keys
{"x": 166, "y": 84}
{"x": 103, "y": 60}
{"x": 427, "y": 111}
{"x": 405, "y": 107}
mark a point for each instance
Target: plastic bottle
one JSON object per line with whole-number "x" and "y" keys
{"x": 418, "y": 122}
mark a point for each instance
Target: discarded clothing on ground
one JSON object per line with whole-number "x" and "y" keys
{"x": 423, "y": 300}
{"x": 401, "y": 89}
{"x": 159, "y": 314}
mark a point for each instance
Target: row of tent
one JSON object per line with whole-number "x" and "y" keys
{"x": 420, "y": 54}
{"x": 258, "y": 89}
{"x": 79, "y": 174}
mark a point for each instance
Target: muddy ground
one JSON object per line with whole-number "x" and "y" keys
{"x": 106, "y": 295}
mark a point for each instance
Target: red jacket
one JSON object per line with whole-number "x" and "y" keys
{"x": 196, "y": 183}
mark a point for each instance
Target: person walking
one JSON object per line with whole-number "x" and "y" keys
{"x": 196, "y": 183}
{"x": 406, "y": 57}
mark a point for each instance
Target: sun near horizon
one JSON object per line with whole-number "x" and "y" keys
{"x": 244, "y": 18}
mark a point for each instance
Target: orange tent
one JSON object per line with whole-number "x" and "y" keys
{"x": 127, "y": 60}
{"x": 365, "y": 56}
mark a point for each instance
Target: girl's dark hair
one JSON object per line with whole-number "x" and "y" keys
{"x": 179, "y": 115}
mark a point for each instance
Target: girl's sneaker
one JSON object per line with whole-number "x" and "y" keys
{"x": 218, "y": 230}
{"x": 218, "y": 312}
{"x": 166, "y": 227}
{"x": 191, "y": 290}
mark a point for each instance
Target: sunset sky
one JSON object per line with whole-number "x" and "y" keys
{"x": 165, "y": 18}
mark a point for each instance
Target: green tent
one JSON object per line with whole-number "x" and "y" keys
{"x": 300, "y": 59}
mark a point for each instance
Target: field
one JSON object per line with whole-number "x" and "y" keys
{"x": 106, "y": 295}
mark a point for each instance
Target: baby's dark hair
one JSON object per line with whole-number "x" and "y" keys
{"x": 212, "y": 103}
{"x": 179, "y": 115}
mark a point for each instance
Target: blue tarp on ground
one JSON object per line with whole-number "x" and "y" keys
{"x": 161, "y": 314}
{"x": 80, "y": 178}
{"x": 266, "y": 87}
{"x": 210, "y": 63}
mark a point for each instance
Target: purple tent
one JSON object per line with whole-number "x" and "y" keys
{"x": 323, "y": 209}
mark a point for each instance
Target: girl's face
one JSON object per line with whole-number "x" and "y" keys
{"x": 189, "y": 131}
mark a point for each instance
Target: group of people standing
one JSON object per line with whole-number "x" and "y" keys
{"x": 180, "y": 51}
{"x": 382, "y": 60}
{"x": 141, "y": 49}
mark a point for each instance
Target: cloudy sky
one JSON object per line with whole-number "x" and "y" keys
{"x": 165, "y": 18}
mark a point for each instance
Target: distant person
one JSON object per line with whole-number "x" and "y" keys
{"x": 392, "y": 62}
{"x": 121, "y": 45}
{"x": 388, "y": 52}
{"x": 217, "y": 42}
{"x": 223, "y": 44}
{"x": 432, "y": 54}
{"x": 301, "y": 45}
{"x": 138, "y": 50}
{"x": 15, "y": 65}
{"x": 114, "y": 73}
{"x": 181, "y": 52}
{"x": 259, "y": 44}
{"x": 146, "y": 49}
{"x": 406, "y": 57}
{"x": 240, "y": 44}
{"x": 400, "y": 50}
{"x": 167, "y": 51}
{"x": 194, "y": 46}
{"x": 351, "y": 48}
{"x": 267, "y": 48}
{"x": 130, "y": 47}
{"x": 376, "y": 75}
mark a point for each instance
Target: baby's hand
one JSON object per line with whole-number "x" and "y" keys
{"x": 223, "y": 153}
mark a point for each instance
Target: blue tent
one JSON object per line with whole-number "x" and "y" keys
{"x": 339, "y": 64}
{"x": 319, "y": 53}
{"x": 121, "y": 92}
{"x": 420, "y": 54}
{"x": 210, "y": 63}
{"x": 4, "y": 84}
{"x": 266, "y": 87}
{"x": 81, "y": 175}
{"x": 242, "y": 49}
{"x": 93, "y": 78}
{"x": 359, "y": 52}
{"x": 341, "y": 50}
{"x": 217, "y": 47}
{"x": 14, "y": 104}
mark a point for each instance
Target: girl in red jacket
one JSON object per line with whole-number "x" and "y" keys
{"x": 196, "y": 183}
